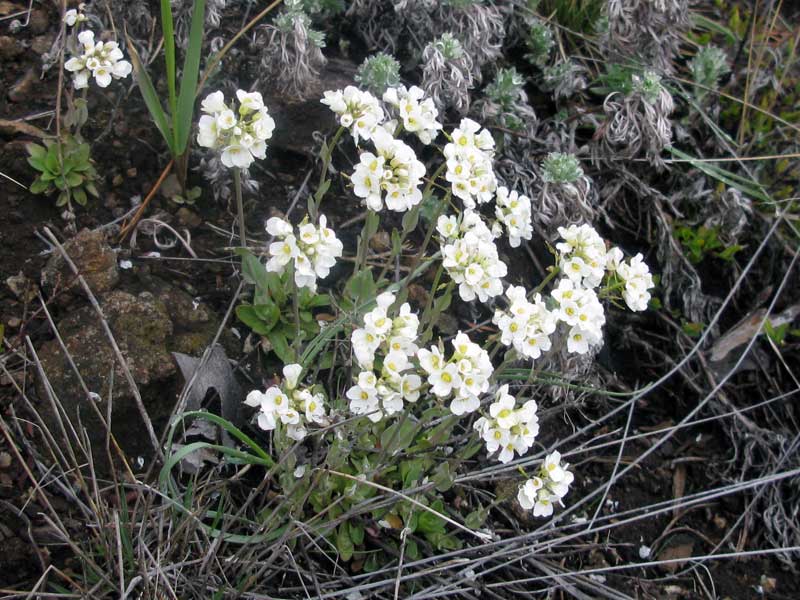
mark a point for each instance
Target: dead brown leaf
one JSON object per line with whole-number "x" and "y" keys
{"x": 676, "y": 553}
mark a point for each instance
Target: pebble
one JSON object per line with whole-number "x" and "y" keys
{"x": 188, "y": 218}
{"x": 9, "y": 48}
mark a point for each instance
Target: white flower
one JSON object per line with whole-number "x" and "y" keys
{"x": 638, "y": 282}
{"x": 509, "y": 429}
{"x": 241, "y": 134}
{"x": 101, "y": 60}
{"x": 392, "y": 177}
{"x": 542, "y": 492}
{"x": 525, "y": 325}
{"x": 528, "y": 492}
{"x": 543, "y": 506}
{"x": 470, "y": 168}
{"x": 471, "y": 258}
{"x": 418, "y": 115}
{"x": 313, "y": 251}
{"x": 582, "y": 311}
{"x": 514, "y": 212}
{"x": 582, "y": 255}
{"x": 552, "y": 466}
{"x": 444, "y": 381}
{"x": 359, "y": 111}
{"x": 292, "y": 373}
{"x": 74, "y": 16}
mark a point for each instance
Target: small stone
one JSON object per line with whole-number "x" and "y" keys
{"x": 118, "y": 180}
{"x": 132, "y": 172}
{"x": 93, "y": 257}
{"x": 9, "y": 48}
{"x": 22, "y": 89}
{"x": 13, "y": 322}
{"x": 22, "y": 287}
{"x": 381, "y": 242}
{"x": 188, "y": 218}
{"x": 42, "y": 43}
{"x": 39, "y": 21}
{"x": 170, "y": 188}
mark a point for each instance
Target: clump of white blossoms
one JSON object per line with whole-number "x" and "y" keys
{"x": 582, "y": 255}
{"x": 392, "y": 176}
{"x": 101, "y": 60}
{"x": 312, "y": 252}
{"x": 513, "y": 210}
{"x": 391, "y": 342}
{"x": 417, "y": 115}
{"x": 74, "y": 16}
{"x": 548, "y": 488}
{"x": 581, "y": 310}
{"x": 636, "y": 276}
{"x": 358, "y": 111}
{"x": 240, "y": 135}
{"x": 470, "y": 256}
{"x": 508, "y": 428}
{"x": 525, "y": 325}
{"x": 290, "y": 405}
{"x": 470, "y": 169}
{"x": 463, "y": 377}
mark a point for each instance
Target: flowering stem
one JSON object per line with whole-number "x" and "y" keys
{"x": 554, "y": 271}
{"x": 237, "y": 185}
{"x": 322, "y": 188}
{"x": 295, "y": 309}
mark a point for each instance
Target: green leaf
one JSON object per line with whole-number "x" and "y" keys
{"x": 361, "y": 286}
{"x": 190, "y": 76}
{"x": 281, "y": 346}
{"x": 247, "y": 314}
{"x": 356, "y": 533}
{"x": 150, "y": 97}
{"x": 399, "y": 436}
{"x": 80, "y": 196}
{"x": 168, "y": 30}
{"x": 343, "y": 542}
{"x": 411, "y": 471}
{"x": 74, "y": 179}
{"x": 39, "y": 186}
{"x": 411, "y": 218}
{"x": 269, "y": 314}
{"x": 36, "y": 151}
{"x": 442, "y": 477}
{"x": 63, "y": 199}
{"x": 729, "y": 252}
{"x": 476, "y": 518}
{"x": 429, "y": 523}
{"x": 51, "y": 160}
{"x": 253, "y": 270}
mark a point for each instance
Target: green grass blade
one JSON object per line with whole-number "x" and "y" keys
{"x": 168, "y": 29}
{"x": 150, "y": 96}
{"x": 190, "y": 76}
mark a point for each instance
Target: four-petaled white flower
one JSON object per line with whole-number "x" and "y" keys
{"x": 541, "y": 493}
{"x": 470, "y": 158}
{"x": 358, "y": 111}
{"x": 312, "y": 252}
{"x": 514, "y": 212}
{"x": 638, "y": 281}
{"x": 240, "y": 135}
{"x": 418, "y": 116}
{"x": 101, "y": 60}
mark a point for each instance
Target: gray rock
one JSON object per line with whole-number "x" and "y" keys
{"x": 95, "y": 260}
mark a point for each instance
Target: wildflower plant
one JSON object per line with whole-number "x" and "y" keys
{"x": 101, "y": 61}
{"x": 447, "y": 75}
{"x": 402, "y": 404}
{"x": 378, "y": 73}
{"x": 707, "y": 67}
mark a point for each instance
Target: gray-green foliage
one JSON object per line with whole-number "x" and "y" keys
{"x": 378, "y": 73}
{"x": 561, "y": 168}
{"x": 506, "y": 99}
{"x": 648, "y": 85}
{"x": 539, "y": 41}
{"x": 708, "y": 65}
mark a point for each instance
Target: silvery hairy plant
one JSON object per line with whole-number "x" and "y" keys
{"x": 564, "y": 79}
{"x": 637, "y": 120}
{"x": 447, "y": 73}
{"x": 708, "y": 65}
{"x": 292, "y": 51}
{"x": 378, "y": 73}
{"x": 650, "y": 30}
{"x": 565, "y": 195}
{"x": 506, "y": 103}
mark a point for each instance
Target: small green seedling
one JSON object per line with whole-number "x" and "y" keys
{"x": 73, "y": 175}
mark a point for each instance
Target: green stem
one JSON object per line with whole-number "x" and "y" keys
{"x": 237, "y": 184}
{"x": 327, "y": 155}
{"x": 554, "y": 271}
{"x": 296, "y": 310}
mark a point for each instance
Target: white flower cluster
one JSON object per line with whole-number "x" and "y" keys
{"x": 583, "y": 254}
{"x": 580, "y": 309}
{"x": 74, "y": 16}
{"x": 101, "y": 60}
{"x": 525, "y": 325}
{"x": 636, "y": 276}
{"x": 470, "y": 256}
{"x": 358, "y": 111}
{"x": 470, "y": 168}
{"x": 514, "y": 212}
{"x": 292, "y": 406}
{"x": 418, "y": 115}
{"x": 508, "y": 429}
{"x": 393, "y": 340}
{"x": 394, "y": 170}
{"x": 464, "y": 376}
{"x": 242, "y": 138}
{"x": 542, "y": 492}
{"x": 313, "y": 251}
